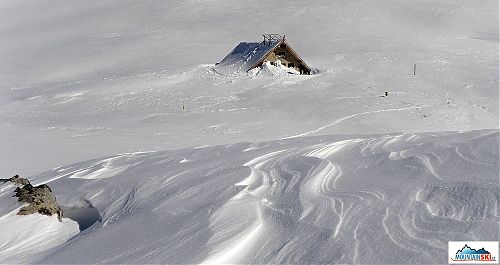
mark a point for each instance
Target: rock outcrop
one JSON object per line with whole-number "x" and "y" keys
{"x": 40, "y": 198}
{"x": 17, "y": 180}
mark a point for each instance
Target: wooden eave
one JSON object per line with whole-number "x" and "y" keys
{"x": 274, "y": 48}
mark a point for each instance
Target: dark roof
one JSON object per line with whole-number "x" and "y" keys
{"x": 247, "y": 55}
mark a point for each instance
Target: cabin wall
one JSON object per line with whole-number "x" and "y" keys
{"x": 286, "y": 58}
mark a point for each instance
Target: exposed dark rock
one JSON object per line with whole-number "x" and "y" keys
{"x": 16, "y": 179}
{"x": 40, "y": 198}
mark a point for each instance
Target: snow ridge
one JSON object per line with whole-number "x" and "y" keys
{"x": 302, "y": 200}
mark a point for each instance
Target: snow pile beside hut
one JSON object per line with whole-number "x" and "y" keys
{"x": 276, "y": 69}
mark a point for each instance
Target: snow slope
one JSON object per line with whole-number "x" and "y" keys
{"x": 124, "y": 80}
{"x": 89, "y": 79}
{"x": 321, "y": 200}
{"x": 25, "y": 237}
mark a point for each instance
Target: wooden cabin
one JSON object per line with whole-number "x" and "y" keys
{"x": 274, "y": 47}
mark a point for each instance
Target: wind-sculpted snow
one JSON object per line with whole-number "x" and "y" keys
{"x": 323, "y": 200}
{"x": 25, "y": 238}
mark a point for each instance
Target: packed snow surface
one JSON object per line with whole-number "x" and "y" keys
{"x": 24, "y": 238}
{"x": 267, "y": 69}
{"x": 320, "y": 200}
{"x": 87, "y": 79}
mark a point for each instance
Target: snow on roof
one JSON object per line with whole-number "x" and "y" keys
{"x": 246, "y": 55}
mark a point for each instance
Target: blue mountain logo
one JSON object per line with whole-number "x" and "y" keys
{"x": 469, "y": 254}
{"x": 468, "y": 250}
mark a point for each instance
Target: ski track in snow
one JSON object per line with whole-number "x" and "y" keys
{"x": 106, "y": 78}
{"x": 319, "y": 200}
{"x": 308, "y": 133}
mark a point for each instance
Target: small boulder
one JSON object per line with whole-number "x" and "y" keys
{"x": 17, "y": 180}
{"x": 40, "y": 198}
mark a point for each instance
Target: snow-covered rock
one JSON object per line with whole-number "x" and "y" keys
{"x": 39, "y": 199}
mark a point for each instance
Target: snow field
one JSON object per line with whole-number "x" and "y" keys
{"x": 323, "y": 199}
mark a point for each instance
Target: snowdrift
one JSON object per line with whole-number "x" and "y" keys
{"x": 91, "y": 79}
{"x": 321, "y": 200}
{"x": 267, "y": 69}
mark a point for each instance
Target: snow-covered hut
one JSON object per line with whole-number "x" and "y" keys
{"x": 274, "y": 48}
